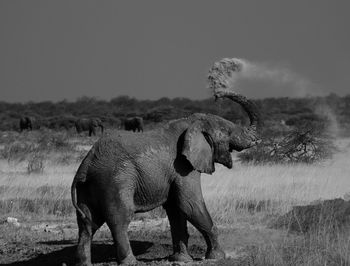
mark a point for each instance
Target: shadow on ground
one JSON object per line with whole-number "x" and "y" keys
{"x": 101, "y": 253}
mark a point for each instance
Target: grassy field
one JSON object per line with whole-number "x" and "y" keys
{"x": 242, "y": 201}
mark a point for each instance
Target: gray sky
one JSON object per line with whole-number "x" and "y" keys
{"x": 55, "y": 50}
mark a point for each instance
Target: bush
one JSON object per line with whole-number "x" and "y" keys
{"x": 299, "y": 146}
{"x": 60, "y": 122}
{"x": 165, "y": 113}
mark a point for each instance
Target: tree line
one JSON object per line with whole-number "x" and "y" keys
{"x": 277, "y": 111}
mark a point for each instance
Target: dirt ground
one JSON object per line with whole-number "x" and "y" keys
{"x": 53, "y": 243}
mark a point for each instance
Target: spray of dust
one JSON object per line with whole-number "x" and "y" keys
{"x": 233, "y": 73}
{"x": 288, "y": 81}
{"x": 299, "y": 86}
{"x": 323, "y": 109}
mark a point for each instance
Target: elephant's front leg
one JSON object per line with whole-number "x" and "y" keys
{"x": 179, "y": 234}
{"x": 191, "y": 202}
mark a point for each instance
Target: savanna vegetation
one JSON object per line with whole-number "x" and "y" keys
{"x": 285, "y": 111}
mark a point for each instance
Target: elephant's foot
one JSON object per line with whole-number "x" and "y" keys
{"x": 182, "y": 257}
{"x": 128, "y": 260}
{"x": 215, "y": 254}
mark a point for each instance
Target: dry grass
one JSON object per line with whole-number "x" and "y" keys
{"x": 274, "y": 188}
{"x": 256, "y": 194}
{"x": 39, "y": 194}
{"x": 247, "y": 194}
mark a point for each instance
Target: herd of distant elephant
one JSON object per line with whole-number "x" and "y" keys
{"x": 134, "y": 124}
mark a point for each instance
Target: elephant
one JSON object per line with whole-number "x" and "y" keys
{"x": 25, "y": 123}
{"x": 124, "y": 174}
{"x": 89, "y": 124}
{"x": 133, "y": 123}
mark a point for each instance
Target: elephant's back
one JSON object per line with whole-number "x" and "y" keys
{"x": 111, "y": 153}
{"x": 133, "y": 144}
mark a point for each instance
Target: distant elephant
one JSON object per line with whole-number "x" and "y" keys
{"x": 124, "y": 174}
{"x": 88, "y": 124}
{"x": 25, "y": 123}
{"x": 133, "y": 123}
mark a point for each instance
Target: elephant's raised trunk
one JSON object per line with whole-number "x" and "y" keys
{"x": 247, "y": 105}
{"x": 221, "y": 80}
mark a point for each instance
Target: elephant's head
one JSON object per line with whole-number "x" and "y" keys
{"x": 212, "y": 139}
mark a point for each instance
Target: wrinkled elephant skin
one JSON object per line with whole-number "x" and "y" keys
{"x": 123, "y": 174}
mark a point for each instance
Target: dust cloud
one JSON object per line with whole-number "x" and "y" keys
{"x": 273, "y": 78}
{"x": 261, "y": 78}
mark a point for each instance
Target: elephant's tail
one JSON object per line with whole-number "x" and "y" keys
{"x": 80, "y": 177}
{"x": 74, "y": 198}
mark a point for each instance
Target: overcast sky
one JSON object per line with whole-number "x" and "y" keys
{"x": 55, "y": 50}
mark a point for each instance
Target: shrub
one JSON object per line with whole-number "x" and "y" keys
{"x": 299, "y": 146}
{"x": 60, "y": 122}
{"x": 308, "y": 120}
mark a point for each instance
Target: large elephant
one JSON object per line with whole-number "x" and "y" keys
{"x": 88, "y": 124}
{"x": 25, "y": 123}
{"x": 124, "y": 174}
{"x": 133, "y": 123}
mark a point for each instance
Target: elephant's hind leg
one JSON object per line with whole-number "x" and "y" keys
{"x": 118, "y": 217}
{"x": 179, "y": 234}
{"x": 86, "y": 232}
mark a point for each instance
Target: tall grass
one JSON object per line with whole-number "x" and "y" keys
{"x": 255, "y": 188}
{"x": 256, "y": 194}
{"x": 273, "y": 188}
{"x": 38, "y": 193}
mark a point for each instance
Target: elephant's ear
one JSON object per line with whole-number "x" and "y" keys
{"x": 198, "y": 150}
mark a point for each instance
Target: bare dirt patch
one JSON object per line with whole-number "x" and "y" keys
{"x": 53, "y": 243}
